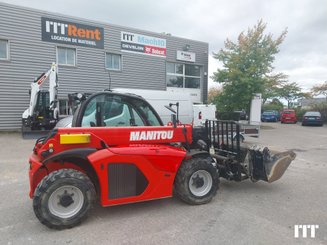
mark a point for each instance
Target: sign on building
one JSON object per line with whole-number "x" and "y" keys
{"x": 137, "y": 43}
{"x": 185, "y": 56}
{"x": 59, "y": 31}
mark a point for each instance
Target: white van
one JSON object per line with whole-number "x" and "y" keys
{"x": 202, "y": 113}
{"x": 159, "y": 99}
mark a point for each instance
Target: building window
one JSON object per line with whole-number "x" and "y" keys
{"x": 63, "y": 107}
{"x": 66, "y": 56}
{"x": 183, "y": 75}
{"x": 4, "y": 49}
{"x": 113, "y": 61}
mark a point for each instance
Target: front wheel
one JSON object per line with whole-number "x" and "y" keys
{"x": 197, "y": 181}
{"x": 63, "y": 198}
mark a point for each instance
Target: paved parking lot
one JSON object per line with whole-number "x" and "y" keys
{"x": 241, "y": 213}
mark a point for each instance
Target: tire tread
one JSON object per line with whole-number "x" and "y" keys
{"x": 181, "y": 189}
{"x": 43, "y": 187}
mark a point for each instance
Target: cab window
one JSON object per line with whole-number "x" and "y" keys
{"x": 106, "y": 110}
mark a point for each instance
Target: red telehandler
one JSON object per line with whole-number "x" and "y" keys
{"x": 118, "y": 151}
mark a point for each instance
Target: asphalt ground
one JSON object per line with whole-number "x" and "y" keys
{"x": 241, "y": 213}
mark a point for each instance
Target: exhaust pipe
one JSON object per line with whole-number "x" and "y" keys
{"x": 267, "y": 166}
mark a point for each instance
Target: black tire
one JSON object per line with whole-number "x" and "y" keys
{"x": 203, "y": 170}
{"x": 77, "y": 193}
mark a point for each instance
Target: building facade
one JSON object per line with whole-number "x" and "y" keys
{"x": 91, "y": 56}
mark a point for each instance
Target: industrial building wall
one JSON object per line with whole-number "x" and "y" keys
{"x": 30, "y": 56}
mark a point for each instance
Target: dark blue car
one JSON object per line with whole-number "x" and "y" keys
{"x": 312, "y": 118}
{"x": 270, "y": 116}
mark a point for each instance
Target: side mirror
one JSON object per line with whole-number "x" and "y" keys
{"x": 174, "y": 120}
{"x": 171, "y": 109}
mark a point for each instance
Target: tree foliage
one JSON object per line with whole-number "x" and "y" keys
{"x": 247, "y": 68}
{"x": 291, "y": 92}
{"x": 320, "y": 89}
{"x": 213, "y": 94}
{"x": 275, "y": 104}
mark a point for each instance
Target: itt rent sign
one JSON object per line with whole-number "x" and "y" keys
{"x": 59, "y": 31}
{"x": 137, "y": 43}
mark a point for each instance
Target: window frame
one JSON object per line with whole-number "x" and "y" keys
{"x": 65, "y": 47}
{"x": 7, "y": 49}
{"x": 78, "y": 121}
{"x": 183, "y": 75}
{"x": 66, "y": 107}
{"x": 120, "y": 61}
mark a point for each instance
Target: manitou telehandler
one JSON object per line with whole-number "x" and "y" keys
{"x": 118, "y": 151}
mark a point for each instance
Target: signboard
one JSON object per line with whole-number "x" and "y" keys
{"x": 65, "y": 32}
{"x": 137, "y": 43}
{"x": 185, "y": 56}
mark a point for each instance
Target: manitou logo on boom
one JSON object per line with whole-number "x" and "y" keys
{"x": 151, "y": 135}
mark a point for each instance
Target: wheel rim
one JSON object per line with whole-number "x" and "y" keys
{"x": 200, "y": 183}
{"x": 66, "y": 201}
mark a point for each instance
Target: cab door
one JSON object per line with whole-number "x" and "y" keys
{"x": 109, "y": 109}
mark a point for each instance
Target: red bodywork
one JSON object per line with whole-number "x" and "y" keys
{"x": 149, "y": 149}
{"x": 288, "y": 116}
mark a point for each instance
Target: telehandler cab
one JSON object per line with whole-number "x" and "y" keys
{"x": 118, "y": 151}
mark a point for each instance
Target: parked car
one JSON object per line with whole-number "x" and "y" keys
{"x": 242, "y": 113}
{"x": 312, "y": 118}
{"x": 288, "y": 116}
{"x": 270, "y": 116}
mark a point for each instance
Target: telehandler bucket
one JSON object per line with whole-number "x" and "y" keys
{"x": 268, "y": 166}
{"x": 237, "y": 161}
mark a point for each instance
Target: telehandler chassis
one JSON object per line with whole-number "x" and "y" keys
{"x": 72, "y": 167}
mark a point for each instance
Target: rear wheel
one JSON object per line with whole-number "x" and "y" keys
{"x": 197, "y": 181}
{"x": 63, "y": 198}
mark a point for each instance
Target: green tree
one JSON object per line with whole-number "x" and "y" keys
{"x": 274, "y": 82}
{"x": 275, "y": 104}
{"x": 291, "y": 92}
{"x": 213, "y": 93}
{"x": 247, "y": 68}
{"x": 320, "y": 89}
